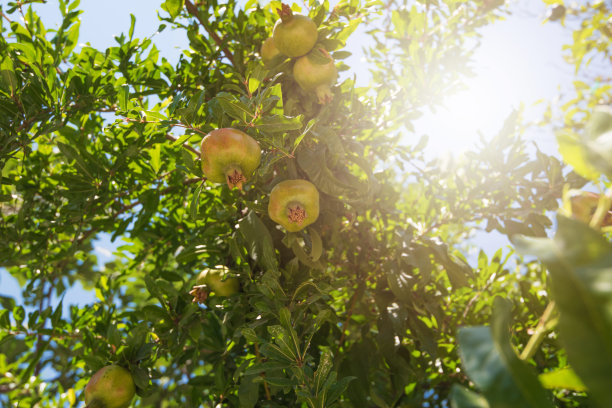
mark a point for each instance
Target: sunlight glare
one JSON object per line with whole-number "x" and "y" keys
{"x": 512, "y": 67}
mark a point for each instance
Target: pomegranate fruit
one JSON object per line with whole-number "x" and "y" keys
{"x": 294, "y": 204}
{"x": 312, "y": 76}
{"x": 110, "y": 387}
{"x": 269, "y": 51}
{"x": 294, "y": 35}
{"x": 229, "y": 155}
{"x": 584, "y": 204}
{"x": 218, "y": 281}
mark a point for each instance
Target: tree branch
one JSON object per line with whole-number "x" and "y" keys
{"x": 193, "y": 10}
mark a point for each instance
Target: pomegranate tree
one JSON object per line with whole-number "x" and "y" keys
{"x": 294, "y": 204}
{"x": 294, "y": 35}
{"x": 110, "y": 387}
{"x": 230, "y": 156}
{"x": 316, "y": 72}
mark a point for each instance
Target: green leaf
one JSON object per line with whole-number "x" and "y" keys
{"x": 562, "y": 378}
{"x": 338, "y": 388}
{"x": 461, "y": 397}
{"x": 492, "y": 364}
{"x": 303, "y": 257}
{"x": 574, "y": 153}
{"x": 285, "y": 318}
{"x": 248, "y": 392}
{"x": 258, "y": 240}
{"x": 141, "y": 377}
{"x": 317, "y": 244}
{"x": 190, "y": 163}
{"x": 400, "y": 283}
{"x": 278, "y": 124}
{"x": 338, "y": 55}
{"x": 265, "y": 366}
{"x": 195, "y": 202}
{"x": 313, "y": 162}
{"x": 149, "y": 115}
{"x": 124, "y": 96}
{"x": 274, "y": 352}
{"x": 156, "y": 157}
{"x": 72, "y": 154}
{"x": 7, "y": 74}
{"x": 598, "y": 140}
{"x": 19, "y": 314}
{"x": 522, "y": 373}
{"x": 173, "y": 7}
{"x": 599, "y": 123}
{"x": 298, "y": 139}
{"x": 5, "y": 322}
{"x": 249, "y": 334}
{"x": 182, "y": 140}
{"x": 57, "y": 314}
{"x": 132, "y": 26}
{"x": 323, "y": 369}
{"x": 579, "y": 260}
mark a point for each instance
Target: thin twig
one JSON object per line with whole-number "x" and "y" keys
{"x": 193, "y": 10}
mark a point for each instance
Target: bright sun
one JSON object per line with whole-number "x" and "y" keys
{"x": 517, "y": 63}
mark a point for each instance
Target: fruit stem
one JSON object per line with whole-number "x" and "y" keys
{"x": 234, "y": 177}
{"x": 603, "y": 207}
{"x": 547, "y": 321}
{"x": 296, "y": 213}
{"x": 326, "y": 53}
{"x": 285, "y": 13}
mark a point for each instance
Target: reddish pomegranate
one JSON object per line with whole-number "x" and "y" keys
{"x": 313, "y": 76}
{"x": 229, "y": 155}
{"x": 294, "y": 204}
{"x": 584, "y": 204}
{"x": 110, "y": 387}
{"x": 294, "y": 35}
{"x": 269, "y": 51}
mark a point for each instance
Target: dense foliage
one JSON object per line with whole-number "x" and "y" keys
{"x": 375, "y": 304}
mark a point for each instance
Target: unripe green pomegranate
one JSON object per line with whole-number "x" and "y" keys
{"x": 229, "y": 155}
{"x": 269, "y": 51}
{"x": 294, "y": 204}
{"x": 110, "y": 387}
{"x": 218, "y": 281}
{"x": 312, "y": 76}
{"x": 294, "y": 35}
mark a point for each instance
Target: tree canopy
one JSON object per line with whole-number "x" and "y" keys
{"x": 376, "y": 303}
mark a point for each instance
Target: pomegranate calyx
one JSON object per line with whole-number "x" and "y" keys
{"x": 296, "y": 213}
{"x": 234, "y": 177}
{"x": 285, "y": 13}
{"x": 199, "y": 293}
{"x": 324, "y": 94}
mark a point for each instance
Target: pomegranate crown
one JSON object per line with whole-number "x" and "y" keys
{"x": 285, "y": 13}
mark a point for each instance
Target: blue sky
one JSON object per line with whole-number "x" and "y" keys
{"x": 519, "y": 61}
